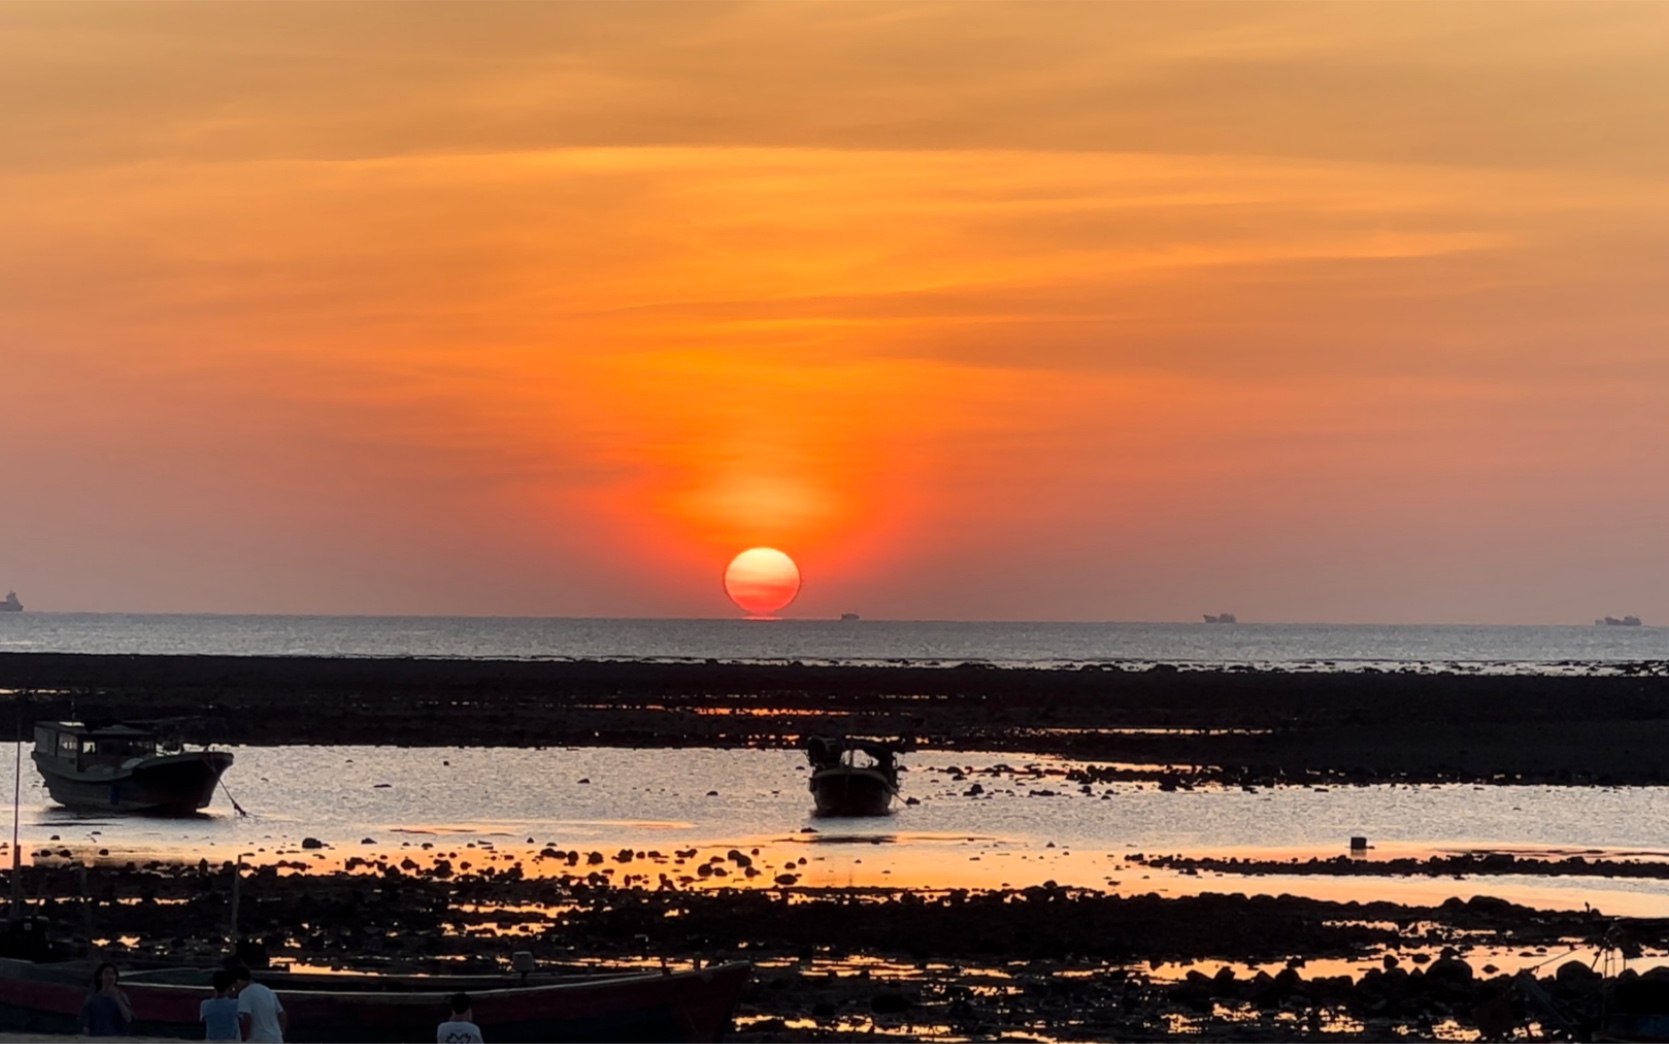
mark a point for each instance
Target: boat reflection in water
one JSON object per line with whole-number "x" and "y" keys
{"x": 852, "y": 777}
{"x": 134, "y": 767}
{"x": 655, "y": 1006}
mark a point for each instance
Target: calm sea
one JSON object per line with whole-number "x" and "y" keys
{"x": 1302, "y": 646}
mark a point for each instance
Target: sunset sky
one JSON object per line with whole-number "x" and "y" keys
{"x": 1318, "y": 312}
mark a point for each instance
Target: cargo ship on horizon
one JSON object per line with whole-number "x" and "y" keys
{"x": 11, "y": 604}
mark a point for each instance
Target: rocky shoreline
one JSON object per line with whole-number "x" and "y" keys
{"x": 1046, "y": 962}
{"x": 1230, "y": 726}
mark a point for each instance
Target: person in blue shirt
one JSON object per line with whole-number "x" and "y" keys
{"x": 220, "y": 1012}
{"x": 107, "y": 1012}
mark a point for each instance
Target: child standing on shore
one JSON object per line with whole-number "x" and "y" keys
{"x": 220, "y": 1012}
{"x": 461, "y": 1027}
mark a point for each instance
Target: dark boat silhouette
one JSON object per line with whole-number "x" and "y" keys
{"x": 852, "y": 777}
{"x": 10, "y": 604}
{"x": 1220, "y": 618}
{"x": 635, "y": 1006}
{"x": 1612, "y": 621}
{"x": 130, "y": 767}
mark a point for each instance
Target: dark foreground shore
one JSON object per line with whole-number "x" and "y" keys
{"x": 1227, "y": 725}
{"x": 1049, "y": 963}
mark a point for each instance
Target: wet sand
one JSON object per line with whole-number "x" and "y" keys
{"x": 1227, "y": 725}
{"x": 1463, "y": 864}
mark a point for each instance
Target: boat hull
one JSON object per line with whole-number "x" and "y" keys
{"x": 169, "y": 783}
{"x": 848, "y": 791}
{"x": 685, "y": 1006}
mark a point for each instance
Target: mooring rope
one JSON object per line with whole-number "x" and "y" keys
{"x": 232, "y": 799}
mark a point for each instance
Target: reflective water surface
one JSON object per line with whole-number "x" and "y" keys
{"x": 1028, "y": 825}
{"x": 1578, "y": 647}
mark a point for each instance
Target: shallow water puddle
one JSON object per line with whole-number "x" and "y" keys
{"x": 679, "y": 813}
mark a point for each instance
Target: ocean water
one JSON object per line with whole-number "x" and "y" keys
{"x": 1291, "y": 646}
{"x": 495, "y": 806}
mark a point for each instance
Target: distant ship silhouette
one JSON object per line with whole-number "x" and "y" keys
{"x": 11, "y": 604}
{"x": 1612, "y": 621}
{"x": 1220, "y": 618}
{"x": 848, "y": 616}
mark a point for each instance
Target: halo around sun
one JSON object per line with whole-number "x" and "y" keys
{"x": 762, "y": 580}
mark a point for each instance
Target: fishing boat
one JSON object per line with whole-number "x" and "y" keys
{"x": 10, "y": 604}
{"x": 852, "y": 777}
{"x": 653, "y": 1006}
{"x": 129, "y": 767}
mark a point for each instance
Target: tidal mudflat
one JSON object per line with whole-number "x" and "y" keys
{"x": 1571, "y": 723}
{"x": 1105, "y": 865}
{"x": 973, "y": 820}
{"x": 1045, "y": 962}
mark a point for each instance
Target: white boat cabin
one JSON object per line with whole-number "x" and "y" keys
{"x": 83, "y": 746}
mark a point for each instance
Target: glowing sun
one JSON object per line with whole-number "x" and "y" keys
{"x": 762, "y": 580}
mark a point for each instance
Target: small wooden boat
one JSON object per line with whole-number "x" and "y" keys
{"x": 124, "y": 768}
{"x": 653, "y": 1006}
{"x": 852, "y": 777}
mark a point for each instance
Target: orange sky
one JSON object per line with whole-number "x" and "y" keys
{"x": 1342, "y": 312}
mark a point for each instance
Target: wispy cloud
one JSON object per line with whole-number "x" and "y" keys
{"x": 616, "y": 288}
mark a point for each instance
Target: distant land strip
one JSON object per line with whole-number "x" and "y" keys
{"x": 1253, "y": 727}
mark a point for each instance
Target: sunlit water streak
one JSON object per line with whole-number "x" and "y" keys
{"x": 1306, "y": 646}
{"x": 458, "y": 801}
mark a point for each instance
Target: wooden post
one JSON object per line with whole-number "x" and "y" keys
{"x": 15, "y": 912}
{"x": 237, "y": 877}
{"x": 87, "y": 910}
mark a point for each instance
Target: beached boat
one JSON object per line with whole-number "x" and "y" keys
{"x": 652, "y": 1006}
{"x": 852, "y": 777}
{"x": 124, "y": 768}
{"x": 10, "y": 604}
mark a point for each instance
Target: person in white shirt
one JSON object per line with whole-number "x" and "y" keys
{"x": 259, "y": 1010}
{"x": 461, "y": 1027}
